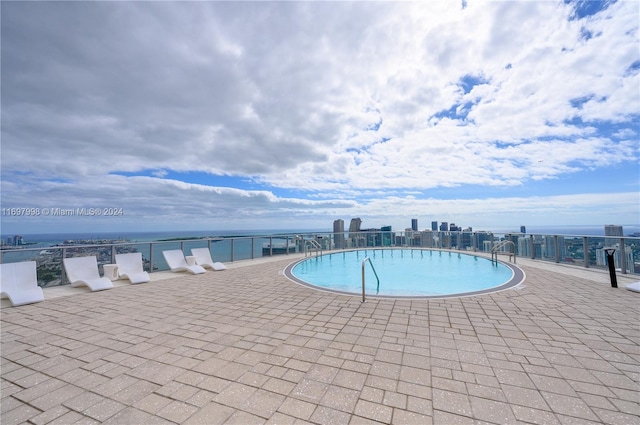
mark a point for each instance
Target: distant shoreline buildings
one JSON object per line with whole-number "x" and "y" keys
{"x": 16, "y": 240}
{"x": 449, "y": 235}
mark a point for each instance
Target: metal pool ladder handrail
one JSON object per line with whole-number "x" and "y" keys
{"x": 313, "y": 244}
{"x": 496, "y": 250}
{"x": 374, "y": 272}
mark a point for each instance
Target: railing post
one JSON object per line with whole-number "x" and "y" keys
{"x": 363, "y": 261}
{"x": 253, "y": 249}
{"x": 532, "y": 247}
{"x": 150, "y": 257}
{"x": 63, "y": 273}
{"x": 623, "y": 257}
{"x": 557, "y": 248}
{"x": 585, "y": 250}
{"x": 232, "y": 249}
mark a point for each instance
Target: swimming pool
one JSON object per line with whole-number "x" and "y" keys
{"x": 405, "y": 273}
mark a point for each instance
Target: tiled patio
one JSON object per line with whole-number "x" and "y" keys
{"x": 247, "y": 346}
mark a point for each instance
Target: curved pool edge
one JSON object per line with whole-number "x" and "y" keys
{"x": 517, "y": 278}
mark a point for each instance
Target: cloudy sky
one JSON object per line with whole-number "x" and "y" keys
{"x": 289, "y": 115}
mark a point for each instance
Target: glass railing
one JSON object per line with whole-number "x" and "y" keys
{"x": 579, "y": 250}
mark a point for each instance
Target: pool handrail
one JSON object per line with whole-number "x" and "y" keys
{"x": 374, "y": 272}
{"x": 498, "y": 248}
{"x": 312, "y": 244}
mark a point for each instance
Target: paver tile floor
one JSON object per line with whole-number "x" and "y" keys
{"x": 248, "y": 346}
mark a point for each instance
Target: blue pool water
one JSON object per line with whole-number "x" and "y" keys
{"x": 405, "y": 273}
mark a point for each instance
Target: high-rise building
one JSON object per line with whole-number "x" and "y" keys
{"x": 466, "y": 240}
{"x": 338, "y": 233}
{"x": 523, "y": 229}
{"x": 427, "y": 238}
{"x": 444, "y": 226}
{"x": 387, "y": 235}
{"x": 434, "y": 226}
{"x": 550, "y": 249}
{"x": 524, "y": 247}
{"x": 355, "y": 224}
{"x": 356, "y": 239}
{"x": 414, "y": 224}
{"x": 612, "y": 230}
{"x": 481, "y": 238}
{"x": 602, "y": 260}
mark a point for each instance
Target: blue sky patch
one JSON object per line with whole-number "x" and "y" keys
{"x": 585, "y": 8}
{"x": 579, "y": 102}
{"x": 374, "y": 126}
{"x": 633, "y": 68}
{"x": 195, "y": 177}
{"x": 468, "y": 82}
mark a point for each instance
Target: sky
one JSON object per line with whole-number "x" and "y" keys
{"x": 153, "y": 116}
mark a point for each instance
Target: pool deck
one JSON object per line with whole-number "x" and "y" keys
{"x": 248, "y": 346}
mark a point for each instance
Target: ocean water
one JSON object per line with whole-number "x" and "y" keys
{"x": 47, "y": 240}
{"x": 229, "y": 245}
{"x": 51, "y": 239}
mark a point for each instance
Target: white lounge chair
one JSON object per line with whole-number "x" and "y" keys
{"x": 203, "y": 258}
{"x": 19, "y": 283}
{"x": 130, "y": 267}
{"x": 177, "y": 263}
{"x": 635, "y": 287}
{"x": 83, "y": 271}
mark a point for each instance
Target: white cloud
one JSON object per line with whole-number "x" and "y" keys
{"x": 151, "y": 203}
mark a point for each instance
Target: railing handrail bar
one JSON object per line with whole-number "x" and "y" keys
{"x": 590, "y": 245}
{"x": 222, "y": 238}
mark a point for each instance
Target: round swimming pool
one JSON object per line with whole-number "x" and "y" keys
{"x": 405, "y": 273}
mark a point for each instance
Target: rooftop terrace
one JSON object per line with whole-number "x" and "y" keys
{"x": 248, "y": 346}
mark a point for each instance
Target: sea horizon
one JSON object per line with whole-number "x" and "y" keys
{"x": 130, "y": 236}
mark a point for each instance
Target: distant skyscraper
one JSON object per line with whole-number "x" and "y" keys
{"x": 355, "y": 224}
{"x": 434, "y": 226}
{"x": 524, "y": 247}
{"x": 523, "y": 229}
{"x": 427, "y": 238}
{"x": 414, "y": 224}
{"x": 551, "y": 250}
{"x": 601, "y": 259}
{"x": 444, "y": 226}
{"x": 612, "y": 230}
{"x": 338, "y": 233}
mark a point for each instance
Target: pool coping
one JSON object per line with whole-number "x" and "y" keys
{"x": 517, "y": 278}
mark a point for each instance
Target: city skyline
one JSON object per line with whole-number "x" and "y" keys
{"x": 129, "y": 116}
